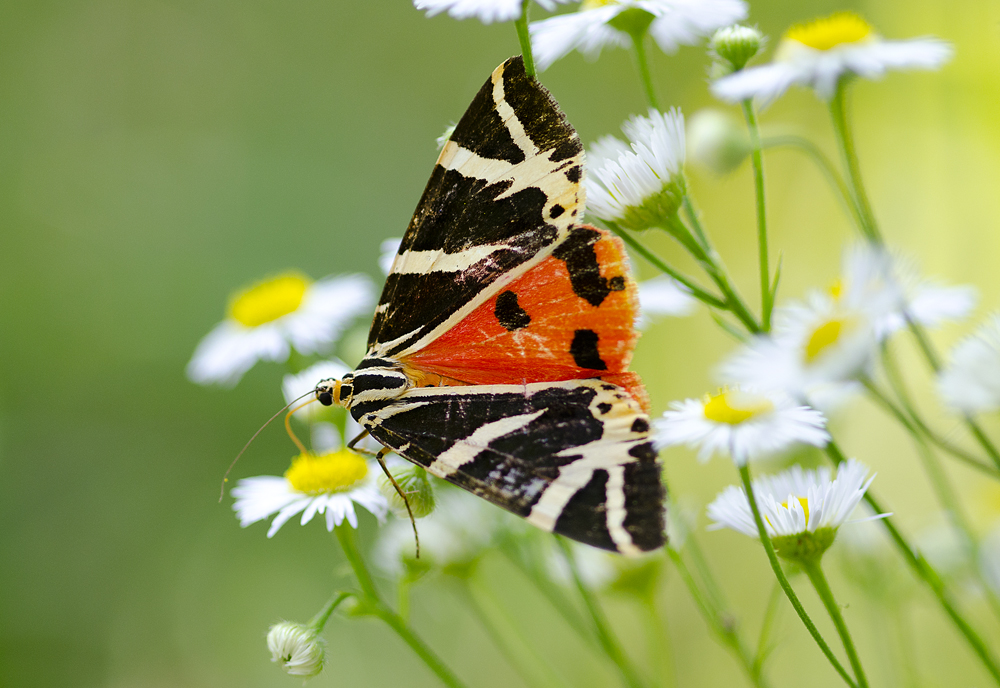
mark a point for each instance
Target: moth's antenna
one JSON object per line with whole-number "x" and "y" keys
{"x": 288, "y": 425}
{"x": 225, "y": 478}
{"x": 402, "y": 495}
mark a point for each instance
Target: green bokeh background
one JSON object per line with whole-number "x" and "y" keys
{"x": 156, "y": 155}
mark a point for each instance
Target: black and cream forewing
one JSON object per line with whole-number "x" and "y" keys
{"x": 504, "y": 192}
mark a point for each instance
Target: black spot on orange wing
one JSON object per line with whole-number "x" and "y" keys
{"x": 584, "y": 351}
{"x": 509, "y": 313}
{"x": 577, "y": 251}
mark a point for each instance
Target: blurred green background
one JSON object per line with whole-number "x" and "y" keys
{"x": 156, "y": 155}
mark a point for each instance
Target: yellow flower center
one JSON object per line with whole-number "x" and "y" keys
{"x": 829, "y": 32}
{"x": 823, "y": 337}
{"x": 269, "y": 300}
{"x": 334, "y": 472}
{"x": 735, "y": 407}
{"x": 805, "y": 506}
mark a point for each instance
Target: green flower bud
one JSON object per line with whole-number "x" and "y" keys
{"x": 717, "y": 141}
{"x": 416, "y": 486}
{"x": 807, "y": 546}
{"x": 734, "y": 46}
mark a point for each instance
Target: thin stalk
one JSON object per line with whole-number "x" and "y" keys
{"x": 815, "y": 573}
{"x": 767, "y": 626}
{"x": 845, "y": 141}
{"x": 812, "y": 151}
{"x": 926, "y": 572}
{"x": 609, "y": 641}
{"x": 660, "y": 648}
{"x": 917, "y": 427}
{"x": 701, "y": 564}
{"x": 642, "y": 63}
{"x": 720, "y": 622}
{"x": 710, "y": 260}
{"x": 757, "y": 162}
{"x": 524, "y": 37}
{"x": 696, "y": 291}
{"x": 899, "y": 386}
{"x": 783, "y": 580}
{"x": 555, "y": 597}
{"x": 532, "y": 668}
{"x": 378, "y": 608}
{"x": 319, "y": 621}
{"x": 694, "y": 220}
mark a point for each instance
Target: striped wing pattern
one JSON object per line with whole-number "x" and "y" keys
{"x": 572, "y": 457}
{"x": 519, "y": 427}
{"x": 505, "y": 189}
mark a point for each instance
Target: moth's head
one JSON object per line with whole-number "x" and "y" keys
{"x": 335, "y": 392}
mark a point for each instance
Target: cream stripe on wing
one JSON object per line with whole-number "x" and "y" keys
{"x": 614, "y": 502}
{"x": 510, "y": 120}
{"x": 466, "y": 450}
{"x": 550, "y": 505}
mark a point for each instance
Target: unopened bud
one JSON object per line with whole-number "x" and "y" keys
{"x": 414, "y": 483}
{"x": 717, "y": 141}
{"x": 296, "y": 648}
{"x": 734, "y": 46}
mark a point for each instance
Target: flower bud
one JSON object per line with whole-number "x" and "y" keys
{"x": 297, "y": 648}
{"x": 417, "y": 488}
{"x": 717, "y": 141}
{"x": 734, "y": 46}
{"x": 804, "y": 547}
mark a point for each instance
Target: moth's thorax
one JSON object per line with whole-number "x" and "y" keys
{"x": 375, "y": 379}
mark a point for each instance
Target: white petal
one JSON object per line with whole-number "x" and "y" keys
{"x": 486, "y": 11}
{"x": 686, "y": 22}
{"x": 231, "y": 349}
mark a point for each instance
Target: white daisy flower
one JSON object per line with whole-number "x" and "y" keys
{"x": 387, "y": 253}
{"x": 270, "y": 318}
{"x": 815, "y": 353}
{"x": 889, "y": 288}
{"x": 638, "y": 185}
{"x": 971, "y": 382}
{"x": 330, "y": 483}
{"x": 662, "y": 296}
{"x": 605, "y": 22}
{"x": 795, "y": 503}
{"x": 819, "y": 53}
{"x": 744, "y": 424}
{"x": 297, "y": 648}
{"x": 486, "y": 11}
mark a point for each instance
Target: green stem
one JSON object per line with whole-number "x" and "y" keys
{"x": 319, "y": 621}
{"x": 532, "y": 668}
{"x": 917, "y": 427}
{"x": 606, "y": 636}
{"x": 642, "y": 62}
{"x": 656, "y": 262}
{"x": 378, "y": 608}
{"x": 757, "y": 161}
{"x": 983, "y": 440}
{"x": 926, "y": 572}
{"x": 845, "y": 141}
{"x": 702, "y": 251}
{"x": 767, "y": 626}
{"x": 719, "y": 621}
{"x": 815, "y": 573}
{"x": 811, "y": 150}
{"x": 783, "y": 580}
{"x": 705, "y": 571}
{"x": 555, "y": 598}
{"x": 660, "y": 648}
{"x": 524, "y": 37}
{"x": 692, "y": 216}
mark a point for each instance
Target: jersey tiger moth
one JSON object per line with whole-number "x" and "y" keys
{"x": 498, "y": 355}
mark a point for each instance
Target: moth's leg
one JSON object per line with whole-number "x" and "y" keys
{"x": 362, "y": 450}
{"x": 379, "y": 456}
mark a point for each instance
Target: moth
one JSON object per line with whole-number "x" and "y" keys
{"x": 497, "y": 358}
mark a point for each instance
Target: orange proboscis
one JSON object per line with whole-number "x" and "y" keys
{"x": 481, "y": 351}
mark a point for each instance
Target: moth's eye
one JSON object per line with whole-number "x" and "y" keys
{"x": 325, "y": 396}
